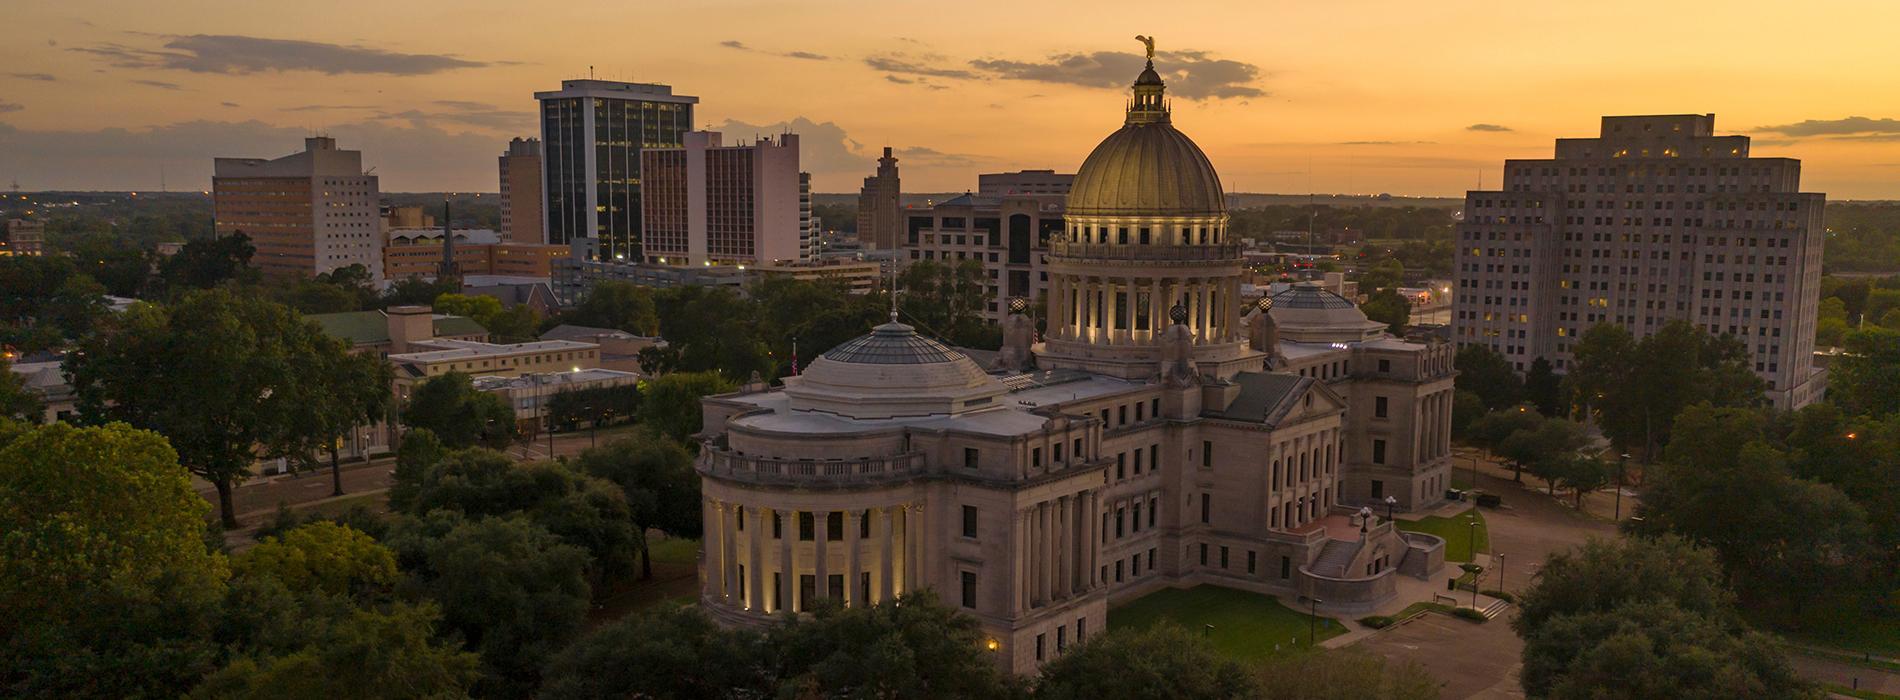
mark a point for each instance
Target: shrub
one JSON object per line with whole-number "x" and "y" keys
{"x": 1472, "y": 614}
{"x": 1376, "y": 621}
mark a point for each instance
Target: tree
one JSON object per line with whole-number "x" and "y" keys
{"x": 120, "y": 266}
{"x": 593, "y": 405}
{"x": 1638, "y": 387}
{"x": 346, "y": 392}
{"x": 1466, "y": 409}
{"x": 1582, "y": 475}
{"x": 480, "y": 307}
{"x": 1544, "y": 389}
{"x": 1655, "y": 650}
{"x": 209, "y": 262}
{"x": 948, "y": 302}
{"x": 1781, "y": 539}
{"x": 666, "y": 652}
{"x": 415, "y": 291}
{"x": 810, "y": 317}
{"x": 582, "y": 510}
{"x": 1603, "y": 575}
{"x": 513, "y": 590}
{"x": 459, "y": 415}
{"x": 323, "y": 557}
{"x": 1385, "y": 274}
{"x": 1344, "y": 675}
{"x": 712, "y": 329}
{"x": 1387, "y": 306}
{"x": 420, "y": 449}
{"x": 17, "y": 400}
{"x": 913, "y": 647}
{"x": 514, "y": 324}
{"x": 154, "y": 369}
{"x": 1865, "y": 379}
{"x": 106, "y": 587}
{"x": 658, "y": 483}
{"x": 1542, "y": 445}
{"x": 1162, "y": 661}
{"x": 670, "y": 404}
{"x": 373, "y": 653}
{"x": 1486, "y": 373}
{"x": 619, "y": 305}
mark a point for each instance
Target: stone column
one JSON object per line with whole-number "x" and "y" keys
{"x": 1045, "y": 550}
{"x": 1060, "y": 562}
{"x": 755, "y": 566}
{"x": 787, "y": 564}
{"x": 712, "y": 580}
{"x": 1083, "y": 298}
{"x": 729, "y": 555}
{"x": 821, "y": 541}
{"x": 1128, "y": 310}
{"x": 887, "y": 587}
{"x": 853, "y": 596}
{"x": 913, "y": 547}
{"x": 1019, "y": 534}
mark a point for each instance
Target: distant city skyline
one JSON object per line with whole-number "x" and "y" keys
{"x": 1360, "y": 97}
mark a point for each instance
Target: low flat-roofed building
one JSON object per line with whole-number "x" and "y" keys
{"x": 619, "y": 350}
{"x": 530, "y": 394}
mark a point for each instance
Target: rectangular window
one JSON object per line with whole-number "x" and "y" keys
{"x": 1286, "y": 567}
{"x": 971, "y": 458}
{"x": 1203, "y": 554}
{"x": 1207, "y": 506}
{"x": 1223, "y": 556}
{"x": 1062, "y": 638}
{"x": 1137, "y": 525}
{"x": 1154, "y": 457}
{"x": 864, "y": 524}
{"x": 969, "y": 589}
{"x": 1038, "y": 647}
{"x": 1118, "y": 570}
{"x": 1378, "y": 452}
{"x": 969, "y": 521}
{"x": 778, "y": 525}
{"x": 1119, "y": 515}
{"x": 1141, "y": 412}
{"x": 1154, "y": 508}
{"x": 1385, "y": 365}
{"x": 1151, "y": 558}
{"x": 1378, "y": 407}
{"x": 1207, "y": 453}
{"x": 805, "y": 527}
{"x": 1121, "y": 464}
{"x": 1250, "y": 561}
{"x": 1035, "y": 457}
{"x": 1121, "y": 414}
{"x": 1134, "y": 564}
{"x": 834, "y": 525}
{"x": 1081, "y": 629}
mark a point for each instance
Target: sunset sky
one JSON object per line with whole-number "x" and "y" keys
{"x": 1354, "y": 96}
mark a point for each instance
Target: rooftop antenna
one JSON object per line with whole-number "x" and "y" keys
{"x": 590, "y": 72}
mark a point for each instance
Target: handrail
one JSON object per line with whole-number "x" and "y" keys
{"x": 721, "y": 462}
{"x": 1215, "y": 251}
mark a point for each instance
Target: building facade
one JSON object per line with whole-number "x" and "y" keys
{"x": 417, "y": 252}
{"x": 592, "y": 134}
{"x": 307, "y": 213}
{"x": 706, "y": 203}
{"x": 1008, "y": 235}
{"x": 1657, "y": 219}
{"x": 1153, "y": 440}
{"x": 880, "y": 214}
{"x": 521, "y": 217}
{"x": 23, "y": 237}
{"x": 1043, "y": 182}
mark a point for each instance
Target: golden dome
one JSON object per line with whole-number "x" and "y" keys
{"x": 1147, "y": 167}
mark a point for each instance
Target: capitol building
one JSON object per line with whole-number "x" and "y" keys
{"x": 1162, "y": 434}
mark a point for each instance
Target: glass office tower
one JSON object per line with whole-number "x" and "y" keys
{"x": 592, "y": 133}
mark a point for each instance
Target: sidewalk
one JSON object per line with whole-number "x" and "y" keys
{"x": 1600, "y": 504}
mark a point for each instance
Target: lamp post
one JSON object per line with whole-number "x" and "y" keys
{"x": 1500, "y": 558}
{"x": 1620, "y": 460}
{"x": 1471, "y": 530}
{"x": 1312, "y": 627}
{"x": 1390, "y": 503}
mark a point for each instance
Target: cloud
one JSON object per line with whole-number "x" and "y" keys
{"x": 824, "y": 147}
{"x": 1488, "y": 127}
{"x": 43, "y": 77}
{"x": 899, "y": 81}
{"x": 806, "y": 55}
{"x": 480, "y": 115}
{"x": 930, "y": 157}
{"x": 325, "y": 108}
{"x": 238, "y": 55}
{"x": 1835, "y": 127}
{"x": 1192, "y": 74}
{"x": 6, "y": 107}
{"x": 1382, "y": 143}
{"x": 229, "y": 104}
{"x": 904, "y": 65}
{"x": 160, "y": 84}
{"x": 408, "y": 158}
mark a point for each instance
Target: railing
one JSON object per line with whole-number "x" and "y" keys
{"x": 1118, "y": 251}
{"x": 719, "y": 462}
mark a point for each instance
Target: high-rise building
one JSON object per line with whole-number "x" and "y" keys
{"x": 1655, "y": 220}
{"x": 521, "y": 217}
{"x": 592, "y": 133}
{"x": 1152, "y": 442}
{"x": 307, "y": 213}
{"x": 879, "y": 210}
{"x": 707, "y": 203}
{"x": 1008, "y": 234}
{"x": 1047, "y": 182}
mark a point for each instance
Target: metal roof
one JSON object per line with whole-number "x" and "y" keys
{"x": 1307, "y": 295}
{"x": 892, "y": 344}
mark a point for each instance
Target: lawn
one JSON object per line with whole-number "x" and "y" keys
{"x": 1457, "y": 535}
{"x": 1246, "y": 626}
{"x": 674, "y": 550}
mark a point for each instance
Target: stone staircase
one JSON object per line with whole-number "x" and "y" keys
{"x": 1335, "y": 557}
{"x": 1496, "y": 608}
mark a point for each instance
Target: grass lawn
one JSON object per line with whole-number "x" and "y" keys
{"x": 674, "y": 550}
{"x": 1457, "y": 535}
{"x": 1247, "y": 626}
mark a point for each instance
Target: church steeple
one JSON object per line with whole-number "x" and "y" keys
{"x": 1150, "y": 105}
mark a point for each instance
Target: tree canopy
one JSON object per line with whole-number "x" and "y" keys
{"x": 1636, "y": 387}
{"x": 449, "y": 406}
{"x": 1162, "y": 661}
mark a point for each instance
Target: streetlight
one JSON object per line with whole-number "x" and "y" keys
{"x": 1471, "y": 529}
{"x": 1390, "y": 502}
{"x": 1620, "y": 460}
{"x": 1312, "y": 627}
{"x": 1500, "y": 558}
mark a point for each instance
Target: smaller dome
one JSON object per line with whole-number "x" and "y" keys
{"x": 892, "y": 372}
{"x": 1148, "y": 76}
{"x": 1309, "y": 313}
